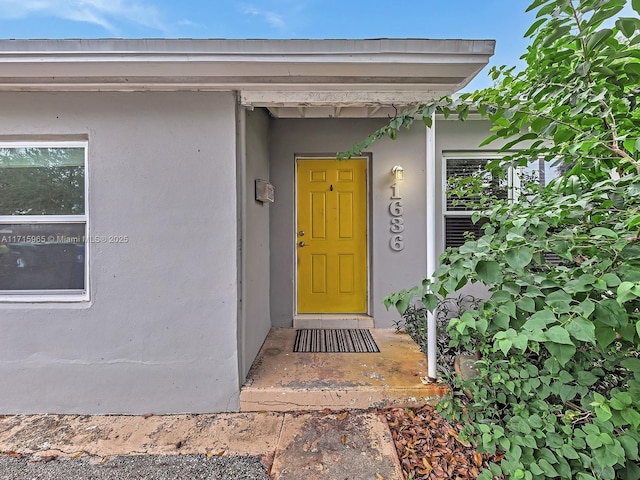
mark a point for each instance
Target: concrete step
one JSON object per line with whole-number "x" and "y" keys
{"x": 281, "y": 380}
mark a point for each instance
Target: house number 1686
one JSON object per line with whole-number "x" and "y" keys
{"x": 396, "y": 242}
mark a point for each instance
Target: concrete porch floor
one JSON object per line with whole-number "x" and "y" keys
{"x": 281, "y": 380}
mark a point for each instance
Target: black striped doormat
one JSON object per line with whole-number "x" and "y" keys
{"x": 342, "y": 340}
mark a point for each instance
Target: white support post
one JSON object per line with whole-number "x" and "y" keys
{"x": 432, "y": 257}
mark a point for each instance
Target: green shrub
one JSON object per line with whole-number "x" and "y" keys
{"x": 414, "y": 323}
{"x": 558, "y": 395}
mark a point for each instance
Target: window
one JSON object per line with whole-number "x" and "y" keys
{"x": 43, "y": 221}
{"x": 457, "y": 216}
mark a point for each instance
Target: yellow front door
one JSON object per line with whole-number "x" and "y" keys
{"x": 332, "y": 235}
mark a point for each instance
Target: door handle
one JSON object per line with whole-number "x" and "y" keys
{"x": 301, "y": 233}
{"x": 302, "y": 244}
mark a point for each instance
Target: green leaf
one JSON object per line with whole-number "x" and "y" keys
{"x": 535, "y": 469}
{"x": 603, "y": 412}
{"x": 430, "y": 301}
{"x": 558, "y": 334}
{"x": 586, "y": 308}
{"x": 556, "y": 34}
{"x": 504, "y": 345}
{"x": 630, "y": 252}
{"x": 540, "y": 320}
{"x": 559, "y": 300}
{"x": 521, "y": 342}
{"x": 526, "y": 304}
{"x": 611, "y": 279}
{"x": 582, "y": 329}
{"x": 630, "y": 145}
{"x": 489, "y": 271}
{"x": 402, "y": 304}
{"x": 595, "y": 39}
{"x": 534, "y": 26}
{"x": 519, "y": 257}
{"x": 547, "y": 468}
{"x": 603, "y": 232}
{"x": 562, "y": 353}
{"x": 630, "y": 472}
{"x": 636, "y": 5}
{"x": 488, "y": 140}
{"x": 548, "y": 455}
{"x": 583, "y": 69}
{"x": 534, "y": 5}
{"x": 632, "y": 364}
{"x": 621, "y": 400}
{"x": 631, "y": 416}
{"x": 605, "y": 336}
{"x": 627, "y": 26}
{"x": 569, "y": 452}
{"x": 586, "y": 378}
{"x": 630, "y": 446}
{"x": 610, "y": 312}
{"x": 626, "y": 291}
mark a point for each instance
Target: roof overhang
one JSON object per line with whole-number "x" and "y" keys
{"x": 290, "y": 77}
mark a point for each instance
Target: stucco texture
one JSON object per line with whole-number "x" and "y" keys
{"x": 255, "y": 319}
{"x": 159, "y": 333}
{"x": 389, "y": 270}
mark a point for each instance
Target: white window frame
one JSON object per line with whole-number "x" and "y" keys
{"x": 35, "y": 296}
{"x": 513, "y": 184}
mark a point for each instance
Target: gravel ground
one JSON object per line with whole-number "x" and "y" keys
{"x": 176, "y": 467}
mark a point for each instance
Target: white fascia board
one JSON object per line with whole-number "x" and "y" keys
{"x": 246, "y": 47}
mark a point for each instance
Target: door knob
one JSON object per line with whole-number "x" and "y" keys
{"x": 301, "y": 233}
{"x": 302, "y": 244}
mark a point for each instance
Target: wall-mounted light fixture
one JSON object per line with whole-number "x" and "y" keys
{"x": 398, "y": 172}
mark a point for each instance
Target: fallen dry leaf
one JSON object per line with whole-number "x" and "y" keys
{"x": 147, "y": 415}
{"x": 342, "y": 416}
{"x": 344, "y": 439}
{"x": 77, "y": 455}
{"x": 429, "y": 448}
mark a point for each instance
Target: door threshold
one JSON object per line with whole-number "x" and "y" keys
{"x": 332, "y": 320}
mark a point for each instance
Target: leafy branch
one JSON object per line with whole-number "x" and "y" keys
{"x": 559, "y": 384}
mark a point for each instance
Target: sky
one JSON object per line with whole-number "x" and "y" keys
{"x": 502, "y": 20}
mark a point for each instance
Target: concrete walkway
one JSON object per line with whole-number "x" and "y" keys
{"x": 350, "y": 445}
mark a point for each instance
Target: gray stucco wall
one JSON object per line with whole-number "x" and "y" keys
{"x": 159, "y": 334}
{"x": 389, "y": 270}
{"x": 256, "y": 319}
